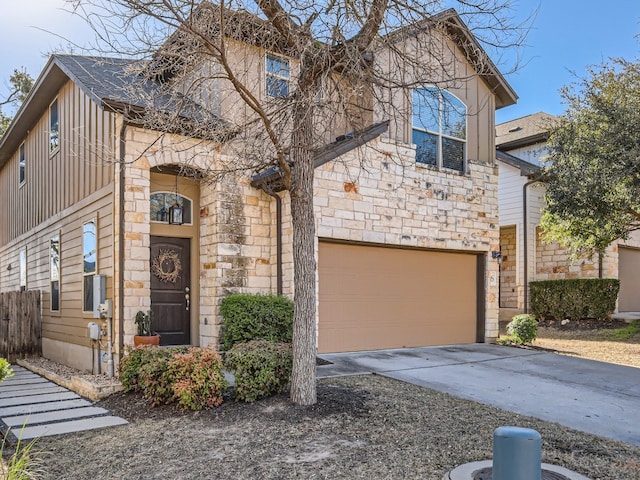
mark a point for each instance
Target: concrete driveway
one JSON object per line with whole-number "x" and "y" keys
{"x": 594, "y": 397}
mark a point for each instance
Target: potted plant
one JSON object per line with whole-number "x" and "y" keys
{"x": 145, "y": 336}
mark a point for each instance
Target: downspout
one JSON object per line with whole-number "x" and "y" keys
{"x": 121, "y": 225}
{"x": 525, "y": 262}
{"x": 278, "y": 239}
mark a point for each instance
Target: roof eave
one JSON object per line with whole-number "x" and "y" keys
{"x": 505, "y": 94}
{"x": 42, "y": 93}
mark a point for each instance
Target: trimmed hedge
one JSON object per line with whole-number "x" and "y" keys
{"x": 261, "y": 368}
{"x": 252, "y": 317}
{"x": 574, "y": 298}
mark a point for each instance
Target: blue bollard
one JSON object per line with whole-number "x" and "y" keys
{"x": 517, "y": 454}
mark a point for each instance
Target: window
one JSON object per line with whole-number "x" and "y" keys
{"x": 23, "y": 269}
{"x": 21, "y": 165}
{"x": 162, "y": 201}
{"x": 54, "y": 127}
{"x": 439, "y": 128}
{"x": 277, "y": 69}
{"x": 54, "y": 269}
{"x": 89, "y": 258}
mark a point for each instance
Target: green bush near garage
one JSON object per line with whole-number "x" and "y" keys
{"x": 574, "y": 299}
{"x": 255, "y": 317}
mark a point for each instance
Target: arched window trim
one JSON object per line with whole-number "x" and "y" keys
{"x": 173, "y": 194}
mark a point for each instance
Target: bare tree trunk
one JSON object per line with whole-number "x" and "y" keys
{"x": 303, "y": 377}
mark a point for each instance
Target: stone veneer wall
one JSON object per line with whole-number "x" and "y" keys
{"x": 378, "y": 194}
{"x": 508, "y": 272}
{"x": 554, "y": 263}
{"x": 375, "y": 194}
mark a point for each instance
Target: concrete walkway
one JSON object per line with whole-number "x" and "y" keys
{"x": 32, "y": 406}
{"x": 594, "y": 397}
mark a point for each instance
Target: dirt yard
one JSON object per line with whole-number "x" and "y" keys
{"x": 591, "y": 339}
{"x": 361, "y": 428}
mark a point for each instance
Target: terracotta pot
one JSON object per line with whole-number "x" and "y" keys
{"x": 146, "y": 340}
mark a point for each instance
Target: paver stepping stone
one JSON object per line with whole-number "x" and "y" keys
{"x": 32, "y": 406}
{"x": 28, "y": 433}
{"x": 31, "y": 389}
{"x": 54, "y": 416}
{"x": 43, "y": 407}
{"x": 52, "y": 397}
{"x": 23, "y": 381}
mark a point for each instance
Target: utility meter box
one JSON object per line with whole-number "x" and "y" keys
{"x": 99, "y": 293}
{"x": 94, "y": 330}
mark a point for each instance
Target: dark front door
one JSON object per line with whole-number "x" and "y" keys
{"x": 170, "y": 289}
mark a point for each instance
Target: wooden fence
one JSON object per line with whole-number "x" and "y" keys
{"x": 20, "y": 324}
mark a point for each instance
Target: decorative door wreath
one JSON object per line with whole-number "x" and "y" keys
{"x": 166, "y": 266}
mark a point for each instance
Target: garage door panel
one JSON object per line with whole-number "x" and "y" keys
{"x": 374, "y": 297}
{"x": 629, "y": 275}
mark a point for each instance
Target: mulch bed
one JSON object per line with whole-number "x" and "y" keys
{"x": 361, "y": 428}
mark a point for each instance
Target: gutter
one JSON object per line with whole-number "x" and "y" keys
{"x": 525, "y": 249}
{"x": 271, "y": 181}
{"x": 121, "y": 222}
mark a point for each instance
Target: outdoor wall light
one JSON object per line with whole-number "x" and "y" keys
{"x": 496, "y": 255}
{"x": 175, "y": 215}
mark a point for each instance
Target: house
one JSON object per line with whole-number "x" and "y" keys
{"x": 521, "y": 151}
{"x": 405, "y": 234}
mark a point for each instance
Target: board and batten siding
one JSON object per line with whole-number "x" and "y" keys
{"x": 83, "y": 164}
{"x": 61, "y": 192}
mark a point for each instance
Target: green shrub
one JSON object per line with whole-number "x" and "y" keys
{"x": 574, "y": 298}
{"x": 252, "y": 317}
{"x": 129, "y": 368}
{"x": 191, "y": 376}
{"x": 5, "y": 369}
{"x": 261, "y": 368}
{"x": 523, "y": 329}
{"x": 199, "y": 382}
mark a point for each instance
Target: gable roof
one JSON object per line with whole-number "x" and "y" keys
{"x": 476, "y": 56}
{"x": 247, "y": 27}
{"x": 524, "y": 131}
{"x": 525, "y": 167}
{"x": 112, "y": 83}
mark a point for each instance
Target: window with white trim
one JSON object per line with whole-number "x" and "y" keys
{"x": 439, "y": 128}
{"x": 23, "y": 269}
{"x": 54, "y": 272}
{"x": 54, "y": 127}
{"x": 21, "y": 165}
{"x": 89, "y": 262}
{"x": 277, "y": 75}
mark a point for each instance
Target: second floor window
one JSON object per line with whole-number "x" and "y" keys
{"x": 22, "y": 166}
{"x": 277, "y": 74}
{"x": 439, "y": 128}
{"x": 54, "y": 127}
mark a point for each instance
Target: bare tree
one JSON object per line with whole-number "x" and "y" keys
{"x": 333, "y": 67}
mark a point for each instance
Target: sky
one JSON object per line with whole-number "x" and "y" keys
{"x": 566, "y": 37}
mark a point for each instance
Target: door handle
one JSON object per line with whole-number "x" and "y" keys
{"x": 186, "y": 296}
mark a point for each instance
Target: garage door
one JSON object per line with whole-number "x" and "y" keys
{"x": 629, "y": 274}
{"x": 373, "y": 298}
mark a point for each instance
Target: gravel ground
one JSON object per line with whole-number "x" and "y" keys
{"x": 367, "y": 427}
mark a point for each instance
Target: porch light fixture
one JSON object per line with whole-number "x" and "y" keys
{"x": 175, "y": 211}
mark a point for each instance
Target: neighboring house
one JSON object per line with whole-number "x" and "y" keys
{"x": 521, "y": 150}
{"x": 404, "y": 239}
